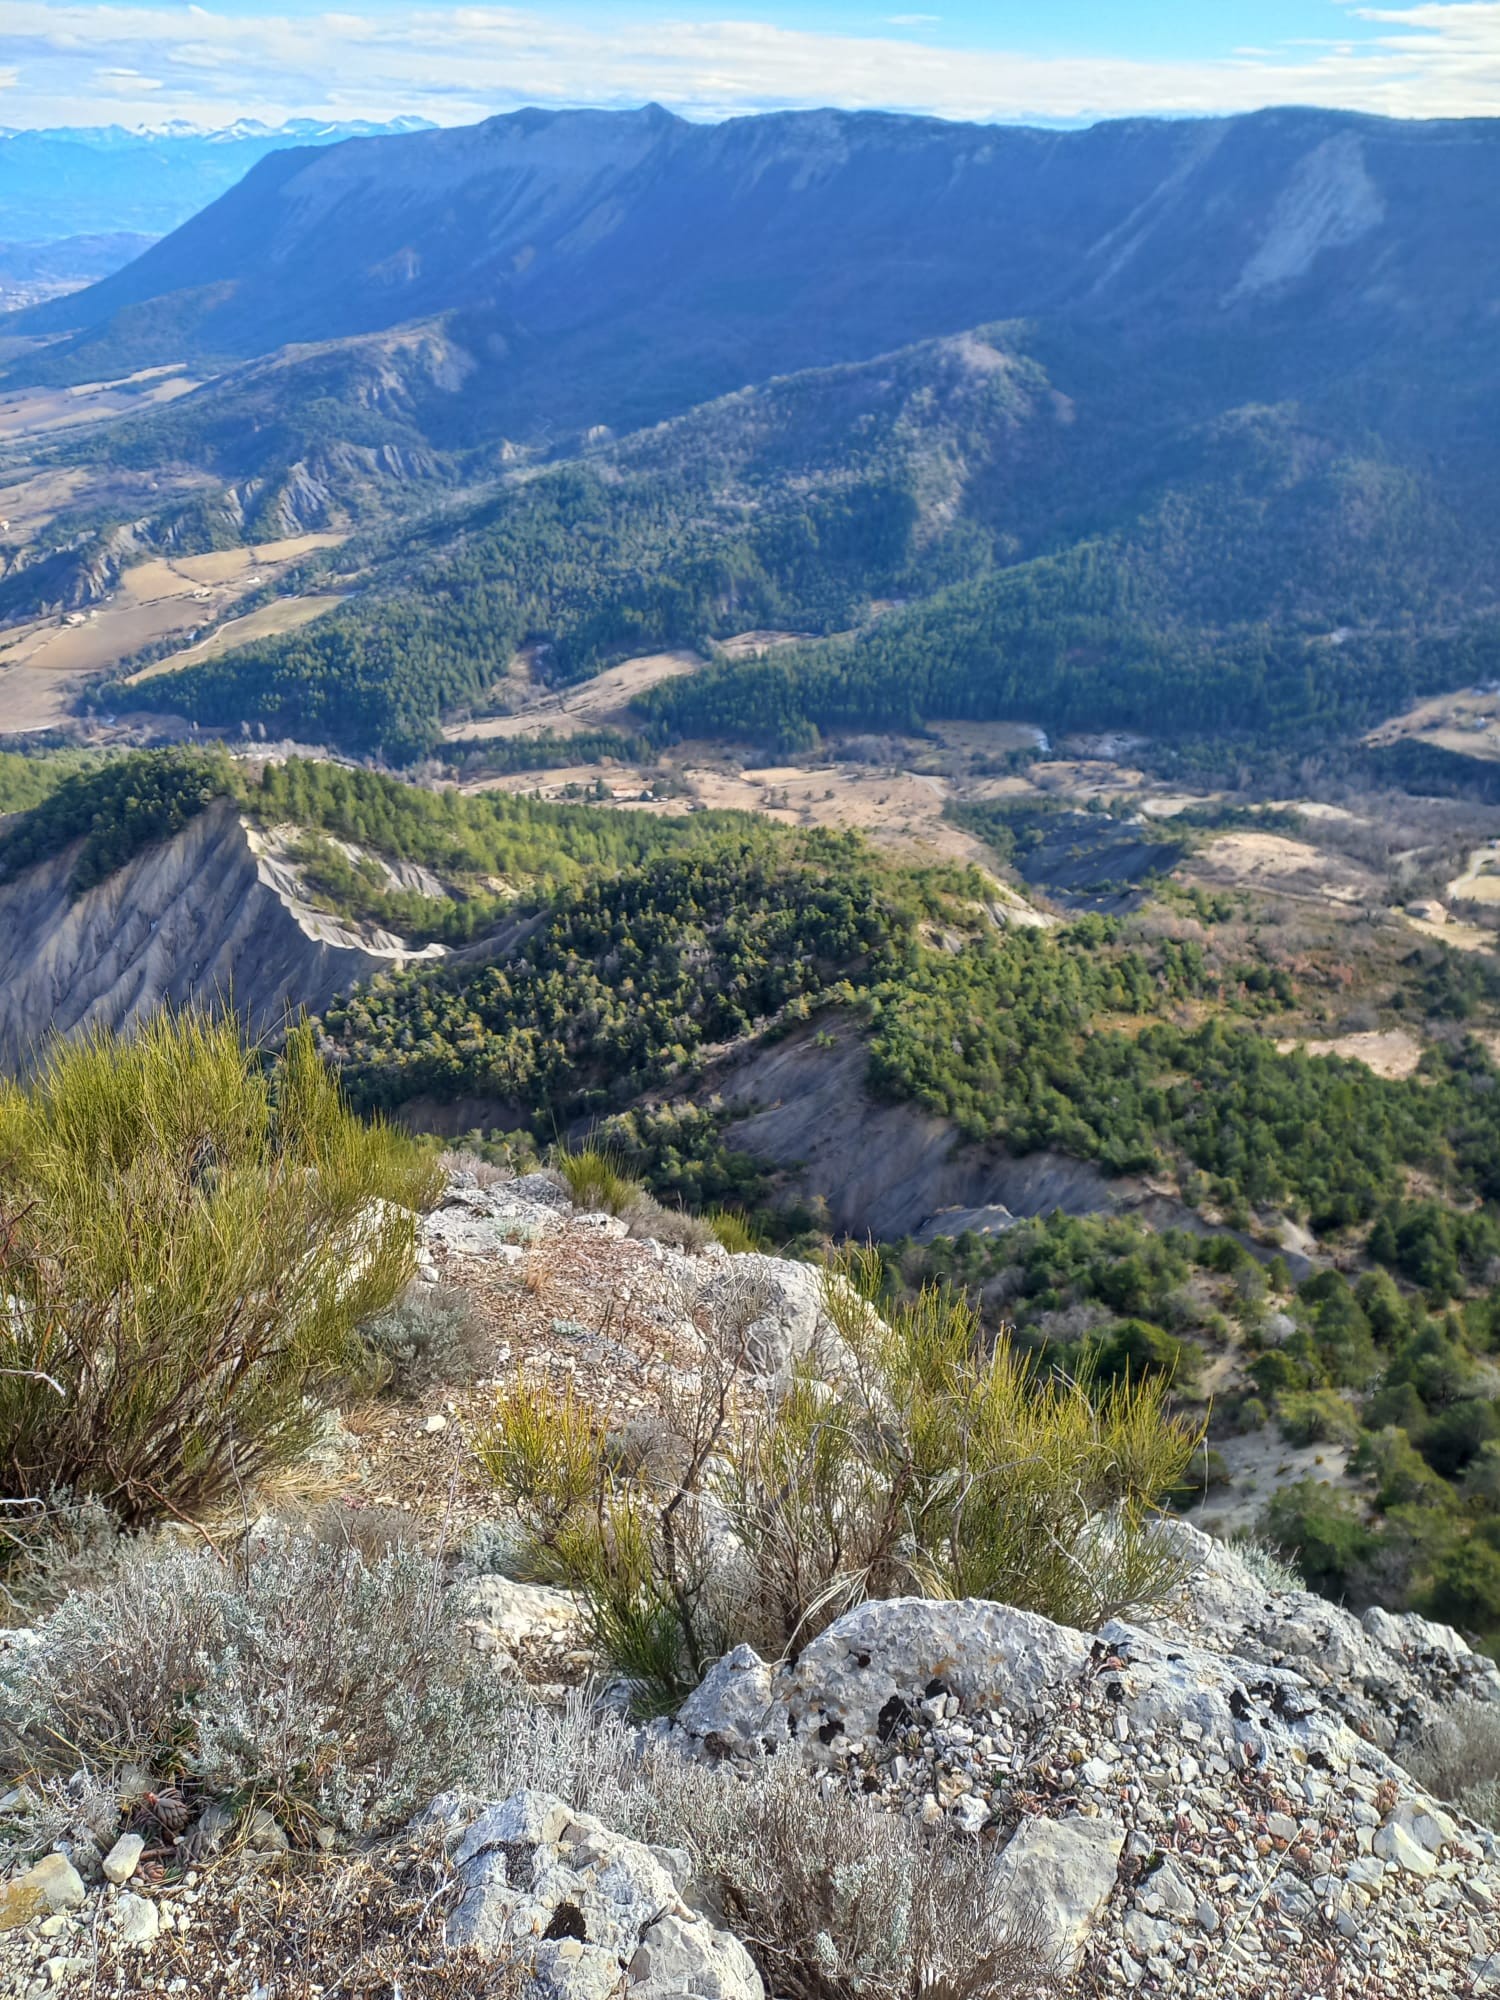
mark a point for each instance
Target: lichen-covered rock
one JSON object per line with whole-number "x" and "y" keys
{"x": 592, "y": 1913}
{"x": 1388, "y": 1676}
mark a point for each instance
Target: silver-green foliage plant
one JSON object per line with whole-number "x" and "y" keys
{"x": 432, "y": 1335}
{"x": 292, "y": 1674}
{"x": 839, "y": 1900}
{"x": 935, "y": 1461}
{"x": 189, "y": 1240}
{"x": 835, "y": 1895}
{"x": 1457, "y": 1758}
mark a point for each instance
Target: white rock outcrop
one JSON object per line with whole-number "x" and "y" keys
{"x": 593, "y": 1914}
{"x": 1186, "y": 1820}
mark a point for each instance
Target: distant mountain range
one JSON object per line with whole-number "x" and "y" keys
{"x": 81, "y": 180}
{"x": 32, "y": 272}
{"x": 615, "y": 268}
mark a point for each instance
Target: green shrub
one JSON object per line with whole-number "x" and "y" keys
{"x": 1208, "y": 1470}
{"x": 293, "y": 1675}
{"x": 1135, "y": 1349}
{"x": 1403, "y": 1477}
{"x": 732, "y": 1231}
{"x": 939, "y": 1463}
{"x": 1456, "y": 1435}
{"x": 1465, "y": 1589}
{"x": 188, "y": 1243}
{"x": 1321, "y": 1528}
{"x": 1317, "y": 1416}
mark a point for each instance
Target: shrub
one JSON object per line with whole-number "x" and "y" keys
{"x": 1456, "y": 1435}
{"x": 1267, "y": 1565}
{"x": 51, "y": 1545}
{"x": 1457, "y": 1758}
{"x": 595, "y": 1182}
{"x": 733, "y": 1231}
{"x": 433, "y": 1335}
{"x": 1322, "y": 1529}
{"x": 292, "y": 1674}
{"x": 834, "y": 1896}
{"x": 1317, "y": 1416}
{"x": 188, "y": 1242}
{"x": 938, "y": 1463}
{"x": 645, "y": 1216}
{"x": 1403, "y": 1477}
{"x": 1208, "y": 1470}
{"x": 837, "y": 1899}
{"x": 1465, "y": 1589}
{"x": 1135, "y": 1349}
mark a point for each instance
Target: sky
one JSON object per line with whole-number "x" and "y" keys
{"x": 135, "y": 62}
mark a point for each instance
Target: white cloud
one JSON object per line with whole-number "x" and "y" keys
{"x": 462, "y": 62}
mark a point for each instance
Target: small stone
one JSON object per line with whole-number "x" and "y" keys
{"x": 1206, "y": 1917}
{"x": 435, "y": 1423}
{"x": 59, "y": 1881}
{"x": 263, "y": 1834}
{"x": 136, "y": 1920}
{"x": 122, "y": 1859}
{"x": 1393, "y": 1843}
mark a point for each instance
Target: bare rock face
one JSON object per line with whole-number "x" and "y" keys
{"x": 211, "y": 916}
{"x": 595, "y": 1914}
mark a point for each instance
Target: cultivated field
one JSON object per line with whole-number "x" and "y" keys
{"x": 42, "y": 663}
{"x": 602, "y": 703}
{"x": 27, "y": 413}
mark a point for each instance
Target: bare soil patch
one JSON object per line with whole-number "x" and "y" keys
{"x": 601, "y": 703}
{"x": 1467, "y": 721}
{"x": 287, "y": 614}
{"x": 1273, "y": 862}
{"x": 1480, "y": 879}
{"x": 1390, "y": 1052}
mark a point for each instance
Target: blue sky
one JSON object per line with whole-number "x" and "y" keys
{"x": 210, "y": 61}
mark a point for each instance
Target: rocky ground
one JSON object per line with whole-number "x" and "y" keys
{"x": 1206, "y": 1803}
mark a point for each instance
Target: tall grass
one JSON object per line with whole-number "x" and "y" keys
{"x": 188, "y": 1242}
{"x": 594, "y": 1180}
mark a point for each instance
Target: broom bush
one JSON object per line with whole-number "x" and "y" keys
{"x": 189, "y": 1241}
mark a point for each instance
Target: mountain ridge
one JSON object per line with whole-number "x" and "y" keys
{"x": 612, "y": 267}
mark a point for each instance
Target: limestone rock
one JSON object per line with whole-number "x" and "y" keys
{"x": 780, "y": 1307}
{"x": 120, "y": 1862}
{"x": 1065, "y": 1870}
{"x": 136, "y": 1920}
{"x": 1387, "y": 1676}
{"x": 732, "y": 1711}
{"x": 591, "y": 1908}
{"x": 51, "y": 1884}
{"x": 504, "y": 1615}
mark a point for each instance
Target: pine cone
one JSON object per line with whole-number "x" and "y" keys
{"x": 169, "y": 1809}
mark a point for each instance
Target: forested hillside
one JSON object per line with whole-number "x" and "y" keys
{"x": 1253, "y": 577}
